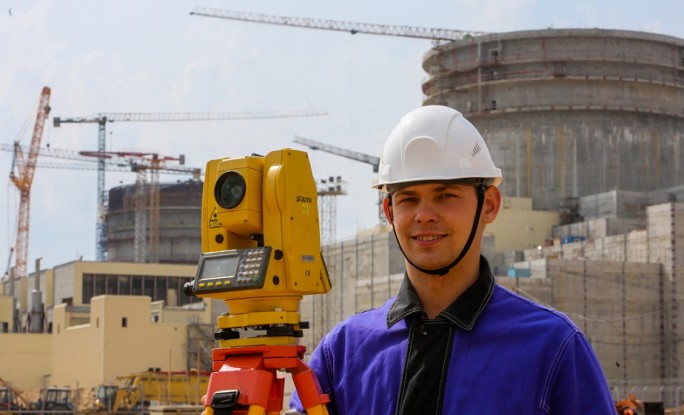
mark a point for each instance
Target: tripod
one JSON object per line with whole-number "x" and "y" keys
{"x": 244, "y": 381}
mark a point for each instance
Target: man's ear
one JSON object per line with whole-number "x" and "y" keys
{"x": 387, "y": 208}
{"x": 492, "y": 204}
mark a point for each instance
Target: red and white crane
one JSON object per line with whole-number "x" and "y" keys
{"x": 21, "y": 175}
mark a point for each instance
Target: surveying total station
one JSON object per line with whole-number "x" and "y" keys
{"x": 260, "y": 254}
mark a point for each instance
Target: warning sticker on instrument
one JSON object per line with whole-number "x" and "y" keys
{"x": 213, "y": 220}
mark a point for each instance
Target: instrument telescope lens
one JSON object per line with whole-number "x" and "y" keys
{"x": 230, "y": 189}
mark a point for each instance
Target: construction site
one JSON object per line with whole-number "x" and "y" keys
{"x": 587, "y": 126}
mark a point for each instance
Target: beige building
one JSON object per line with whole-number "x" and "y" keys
{"x": 519, "y": 226}
{"x": 120, "y": 336}
{"x": 98, "y": 321}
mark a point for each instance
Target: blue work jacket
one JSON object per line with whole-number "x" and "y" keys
{"x": 490, "y": 352}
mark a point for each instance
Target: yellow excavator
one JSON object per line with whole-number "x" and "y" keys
{"x": 139, "y": 391}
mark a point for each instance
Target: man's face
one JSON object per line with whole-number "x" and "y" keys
{"x": 433, "y": 221}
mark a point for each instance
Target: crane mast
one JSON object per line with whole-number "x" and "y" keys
{"x": 101, "y": 119}
{"x": 339, "y": 25}
{"x": 22, "y": 177}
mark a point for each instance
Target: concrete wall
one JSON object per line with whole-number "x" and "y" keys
{"x": 119, "y": 339}
{"x": 616, "y": 304}
{"x": 26, "y": 359}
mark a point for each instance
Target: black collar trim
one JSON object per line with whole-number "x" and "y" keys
{"x": 463, "y": 312}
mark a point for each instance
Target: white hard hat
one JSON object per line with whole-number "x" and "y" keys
{"x": 435, "y": 143}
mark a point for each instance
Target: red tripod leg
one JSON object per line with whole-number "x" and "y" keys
{"x": 243, "y": 386}
{"x": 245, "y": 381}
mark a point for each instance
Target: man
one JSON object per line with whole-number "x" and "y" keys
{"x": 452, "y": 341}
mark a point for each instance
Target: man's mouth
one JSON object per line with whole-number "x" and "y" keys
{"x": 427, "y": 238}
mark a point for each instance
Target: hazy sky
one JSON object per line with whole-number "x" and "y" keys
{"x": 152, "y": 56}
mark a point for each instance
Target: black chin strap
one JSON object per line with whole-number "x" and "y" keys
{"x": 444, "y": 270}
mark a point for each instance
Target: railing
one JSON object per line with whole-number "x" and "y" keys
{"x": 669, "y": 392}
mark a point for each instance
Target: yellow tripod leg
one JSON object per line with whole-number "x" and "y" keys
{"x": 317, "y": 410}
{"x": 256, "y": 410}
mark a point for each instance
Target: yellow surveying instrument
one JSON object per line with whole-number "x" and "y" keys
{"x": 260, "y": 254}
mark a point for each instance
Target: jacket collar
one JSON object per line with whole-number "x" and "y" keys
{"x": 463, "y": 312}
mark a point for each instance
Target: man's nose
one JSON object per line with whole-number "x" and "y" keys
{"x": 426, "y": 212}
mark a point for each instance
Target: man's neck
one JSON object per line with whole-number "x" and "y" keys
{"x": 437, "y": 292}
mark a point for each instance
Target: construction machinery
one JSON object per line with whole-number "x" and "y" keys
{"x": 9, "y": 402}
{"x": 53, "y": 400}
{"x": 11, "y": 398}
{"x": 138, "y": 391}
{"x": 22, "y": 176}
{"x": 101, "y": 119}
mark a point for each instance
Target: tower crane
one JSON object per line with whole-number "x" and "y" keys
{"x": 22, "y": 176}
{"x": 146, "y": 199}
{"x": 350, "y": 154}
{"x": 114, "y": 161}
{"x": 338, "y": 25}
{"x": 146, "y": 231}
{"x": 101, "y": 119}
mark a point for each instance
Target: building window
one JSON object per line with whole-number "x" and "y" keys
{"x": 160, "y": 289}
{"x": 148, "y": 286}
{"x": 99, "y": 285}
{"x": 124, "y": 321}
{"x": 136, "y": 285}
{"x": 112, "y": 286}
{"x": 124, "y": 285}
{"x": 87, "y": 288}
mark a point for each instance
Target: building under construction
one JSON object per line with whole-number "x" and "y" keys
{"x": 571, "y": 112}
{"x": 175, "y": 239}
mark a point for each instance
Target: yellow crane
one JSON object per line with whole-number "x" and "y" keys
{"x": 101, "y": 119}
{"x": 21, "y": 175}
